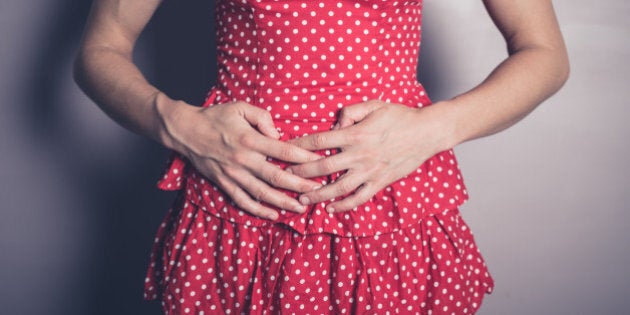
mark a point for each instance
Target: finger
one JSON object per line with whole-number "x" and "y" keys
{"x": 244, "y": 201}
{"x": 328, "y": 165}
{"x": 362, "y": 195}
{"x": 277, "y": 177}
{"x": 352, "y": 114}
{"x": 282, "y": 150}
{"x": 261, "y": 191}
{"x": 345, "y": 184}
{"x": 260, "y": 118}
{"x": 326, "y": 139}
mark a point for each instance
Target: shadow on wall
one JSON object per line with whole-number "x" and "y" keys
{"x": 431, "y": 66}
{"x": 117, "y": 191}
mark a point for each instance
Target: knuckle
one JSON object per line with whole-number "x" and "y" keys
{"x": 344, "y": 187}
{"x": 315, "y": 197}
{"x": 319, "y": 140}
{"x": 255, "y": 210}
{"x": 367, "y": 162}
{"x": 244, "y": 203}
{"x": 246, "y": 140}
{"x": 239, "y": 202}
{"x": 259, "y": 113}
{"x": 362, "y": 197}
{"x": 287, "y": 153}
{"x": 376, "y": 102}
{"x": 350, "y": 112}
{"x": 305, "y": 186}
{"x": 237, "y": 198}
{"x": 265, "y": 115}
{"x": 240, "y": 158}
{"x": 230, "y": 172}
{"x": 261, "y": 194}
{"x": 231, "y": 108}
{"x": 356, "y": 135}
{"x": 275, "y": 178}
{"x": 249, "y": 206}
{"x": 327, "y": 165}
{"x": 343, "y": 112}
{"x": 286, "y": 204}
{"x": 221, "y": 182}
{"x": 366, "y": 192}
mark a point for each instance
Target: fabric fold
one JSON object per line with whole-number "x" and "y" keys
{"x": 276, "y": 270}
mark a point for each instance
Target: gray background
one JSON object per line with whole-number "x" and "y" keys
{"x": 549, "y": 197}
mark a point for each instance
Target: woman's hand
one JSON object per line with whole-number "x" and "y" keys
{"x": 387, "y": 141}
{"x": 380, "y": 143}
{"x": 219, "y": 141}
{"x": 229, "y": 144}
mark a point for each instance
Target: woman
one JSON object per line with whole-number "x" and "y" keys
{"x": 317, "y": 177}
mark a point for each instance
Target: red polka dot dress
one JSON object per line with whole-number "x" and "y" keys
{"x": 405, "y": 251}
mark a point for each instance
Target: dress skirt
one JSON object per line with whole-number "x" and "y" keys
{"x": 203, "y": 264}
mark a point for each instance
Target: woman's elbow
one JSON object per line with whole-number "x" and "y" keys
{"x": 80, "y": 68}
{"x": 563, "y": 70}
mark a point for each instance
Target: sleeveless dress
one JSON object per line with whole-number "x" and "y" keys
{"x": 405, "y": 251}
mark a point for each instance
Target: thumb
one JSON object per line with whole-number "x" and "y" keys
{"x": 352, "y": 114}
{"x": 261, "y": 118}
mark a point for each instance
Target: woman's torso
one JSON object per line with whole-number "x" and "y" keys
{"x": 305, "y": 60}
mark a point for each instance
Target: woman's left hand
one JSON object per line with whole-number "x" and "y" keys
{"x": 379, "y": 143}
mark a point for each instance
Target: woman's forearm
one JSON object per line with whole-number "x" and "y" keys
{"x": 110, "y": 78}
{"x": 510, "y": 92}
{"x": 536, "y": 68}
{"x": 105, "y": 71}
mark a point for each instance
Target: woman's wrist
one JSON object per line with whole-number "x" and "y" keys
{"x": 441, "y": 116}
{"x": 169, "y": 115}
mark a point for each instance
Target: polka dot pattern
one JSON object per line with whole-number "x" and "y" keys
{"x": 305, "y": 60}
{"x": 208, "y": 265}
{"x": 405, "y": 251}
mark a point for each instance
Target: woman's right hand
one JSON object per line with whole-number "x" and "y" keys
{"x": 229, "y": 144}
{"x": 220, "y": 141}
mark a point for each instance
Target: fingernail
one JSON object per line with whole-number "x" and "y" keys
{"x": 304, "y": 200}
{"x": 300, "y": 208}
{"x": 317, "y": 187}
{"x": 335, "y": 126}
{"x": 290, "y": 171}
{"x": 330, "y": 209}
{"x": 272, "y": 216}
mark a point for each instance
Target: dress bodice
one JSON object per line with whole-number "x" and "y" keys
{"x": 318, "y": 55}
{"x": 303, "y": 61}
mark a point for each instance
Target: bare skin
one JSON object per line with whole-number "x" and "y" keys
{"x": 380, "y": 142}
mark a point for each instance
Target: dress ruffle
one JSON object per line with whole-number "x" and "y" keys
{"x": 205, "y": 263}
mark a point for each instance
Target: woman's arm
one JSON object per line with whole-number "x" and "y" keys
{"x": 538, "y": 65}
{"x": 221, "y": 141}
{"x": 383, "y": 142}
{"x": 105, "y": 71}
